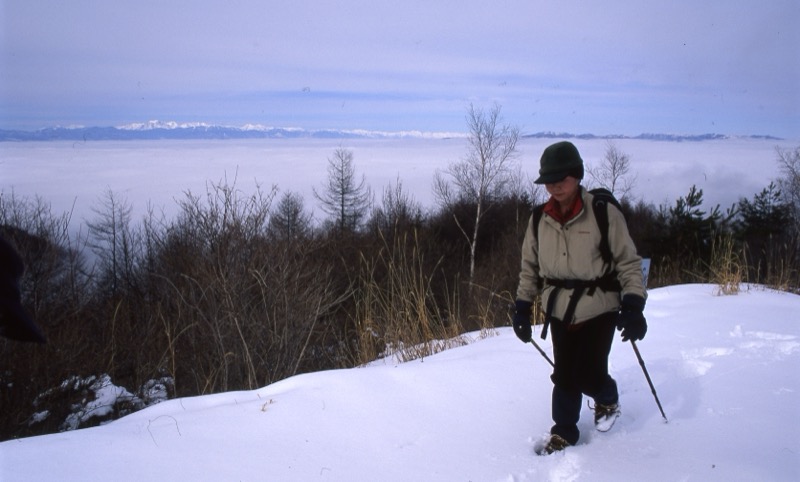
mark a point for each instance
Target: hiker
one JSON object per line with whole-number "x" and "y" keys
{"x": 584, "y": 296}
{"x": 15, "y": 323}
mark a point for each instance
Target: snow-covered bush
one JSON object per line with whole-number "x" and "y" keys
{"x": 87, "y": 401}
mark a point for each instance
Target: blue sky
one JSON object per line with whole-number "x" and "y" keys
{"x": 611, "y": 67}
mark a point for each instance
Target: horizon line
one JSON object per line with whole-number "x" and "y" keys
{"x": 157, "y": 125}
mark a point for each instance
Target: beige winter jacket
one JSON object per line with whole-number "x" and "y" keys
{"x": 572, "y": 252}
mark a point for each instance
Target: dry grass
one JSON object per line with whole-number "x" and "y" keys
{"x": 727, "y": 267}
{"x": 397, "y": 316}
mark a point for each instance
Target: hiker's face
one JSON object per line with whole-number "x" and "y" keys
{"x": 564, "y": 190}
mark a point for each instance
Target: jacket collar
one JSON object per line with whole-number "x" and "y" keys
{"x": 551, "y": 208}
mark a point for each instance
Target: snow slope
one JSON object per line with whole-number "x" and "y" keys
{"x": 725, "y": 369}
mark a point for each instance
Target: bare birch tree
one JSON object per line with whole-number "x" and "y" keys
{"x": 614, "y": 172}
{"x": 789, "y": 182}
{"x": 485, "y": 174}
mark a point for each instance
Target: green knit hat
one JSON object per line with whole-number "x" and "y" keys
{"x": 559, "y": 161}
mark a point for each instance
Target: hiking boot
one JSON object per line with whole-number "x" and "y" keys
{"x": 605, "y": 416}
{"x": 555, "y": 443}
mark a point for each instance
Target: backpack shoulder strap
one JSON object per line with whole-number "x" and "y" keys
{"x": 601, "y": 199}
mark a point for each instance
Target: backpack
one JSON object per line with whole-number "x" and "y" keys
{"x": 608, "y": 282}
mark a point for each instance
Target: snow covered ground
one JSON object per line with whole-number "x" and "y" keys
{"x": 725, "y": 369}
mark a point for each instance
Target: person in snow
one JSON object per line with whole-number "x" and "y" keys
{"x": 584, "y": 297}
{"x": 15, "y": 323}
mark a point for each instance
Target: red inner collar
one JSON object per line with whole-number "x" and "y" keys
{"x": 553, "y": 210}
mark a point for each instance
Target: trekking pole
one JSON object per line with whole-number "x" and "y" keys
{"x": 650, "y": 382}
{"x": 543, "y": 353}
{"x": 536, "y": 345}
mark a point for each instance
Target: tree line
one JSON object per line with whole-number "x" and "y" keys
{"x": 239, "y": 290}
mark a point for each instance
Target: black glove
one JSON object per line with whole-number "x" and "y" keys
{"x": 522, "y": 320}
{"x": 631, "y": 321}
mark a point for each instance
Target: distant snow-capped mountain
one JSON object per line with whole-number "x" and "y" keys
{"x": 156, "y": 129}
{"x": 157, "y": 124}
{"x": 199, "y": 130}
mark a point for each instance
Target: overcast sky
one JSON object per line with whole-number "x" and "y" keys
{"x": 610, "y": 67}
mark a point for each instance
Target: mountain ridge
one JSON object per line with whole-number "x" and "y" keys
{"x": 162, "y": 130}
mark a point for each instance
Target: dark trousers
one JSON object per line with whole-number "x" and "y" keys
{"x": 581, "y": 367}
